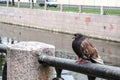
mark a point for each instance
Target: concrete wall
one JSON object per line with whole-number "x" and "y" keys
{"x": 100, "y": 26}
{"x": 22, "y": 61}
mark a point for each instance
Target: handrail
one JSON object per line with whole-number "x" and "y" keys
{"x": 98, "y": 70}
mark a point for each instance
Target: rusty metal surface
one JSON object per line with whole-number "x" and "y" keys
{"x": 98, "y": 70}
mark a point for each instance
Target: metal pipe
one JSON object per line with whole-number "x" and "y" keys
{"x": 97, "y": 70}
{"x": 3, "y": 48}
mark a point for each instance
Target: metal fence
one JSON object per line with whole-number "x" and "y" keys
{"x": 111, "y": 7}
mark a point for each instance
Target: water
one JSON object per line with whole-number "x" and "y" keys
{"x": 109, "y": 51}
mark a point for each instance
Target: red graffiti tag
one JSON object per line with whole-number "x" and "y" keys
{"x": 111, "y": 27}
{"x": 76, "y": 18}
{"x": 87, "y": 20}
{"x": 110, "y": 52}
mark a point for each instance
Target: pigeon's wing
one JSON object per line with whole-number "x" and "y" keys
{"x": 84, "y": 50}
{"x": 90, "y": 51}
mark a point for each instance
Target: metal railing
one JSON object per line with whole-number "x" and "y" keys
{"x": 97, "y": 70}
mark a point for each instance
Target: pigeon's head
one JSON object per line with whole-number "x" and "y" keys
{"x": 77, "y": 35}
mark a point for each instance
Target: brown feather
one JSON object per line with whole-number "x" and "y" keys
{"x": 89, "y": 49}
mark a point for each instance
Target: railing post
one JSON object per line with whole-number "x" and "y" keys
{"x": 31, "y": 4}
{"x": 80, "y": 8}
{"x": 102, "y": 10}
{"x": 45, "y": 6}
{"x": 18, "y": 3}
{"x": 22, "y": 61}
{"x": 7, "y": 3}
{"x": 61, "y": 7}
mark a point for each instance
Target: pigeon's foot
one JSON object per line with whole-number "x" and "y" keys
{"x": 82, "y": 61}
{"x": 57, "y": 78}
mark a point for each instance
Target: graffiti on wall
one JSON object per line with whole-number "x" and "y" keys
{"x": 87, "y": 20}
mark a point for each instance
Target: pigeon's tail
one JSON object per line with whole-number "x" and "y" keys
{"x": 98, "y": 60}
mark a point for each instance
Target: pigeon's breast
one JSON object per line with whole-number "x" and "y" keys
{"x": 76, "y": 44}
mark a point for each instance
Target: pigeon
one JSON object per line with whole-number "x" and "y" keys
{"x": 85, "y": 50}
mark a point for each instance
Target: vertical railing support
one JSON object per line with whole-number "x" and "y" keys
{"x": 61, "y": 7}
{"x": 102, "y": 10}
{"x": 45, "y": 6}
{"x": 18, "y": 3}
{"x": 31, "y": 4}
{"x": 80, "y": 8}
{"x": 22, "y": 61}
{"x": 7, "y": 3}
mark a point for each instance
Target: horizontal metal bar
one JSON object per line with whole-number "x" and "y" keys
{"x": 97, "y": 70}
{"x": 3, "y": 48}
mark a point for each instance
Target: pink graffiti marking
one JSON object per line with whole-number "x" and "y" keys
{"x": 76, "y": 18}
{"x": 87, "y": 20}
{"x": 111, "y": 27}
{"x": 110, "y": 52}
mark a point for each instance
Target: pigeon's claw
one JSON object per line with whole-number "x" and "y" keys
{"x": 82, "y": 61}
